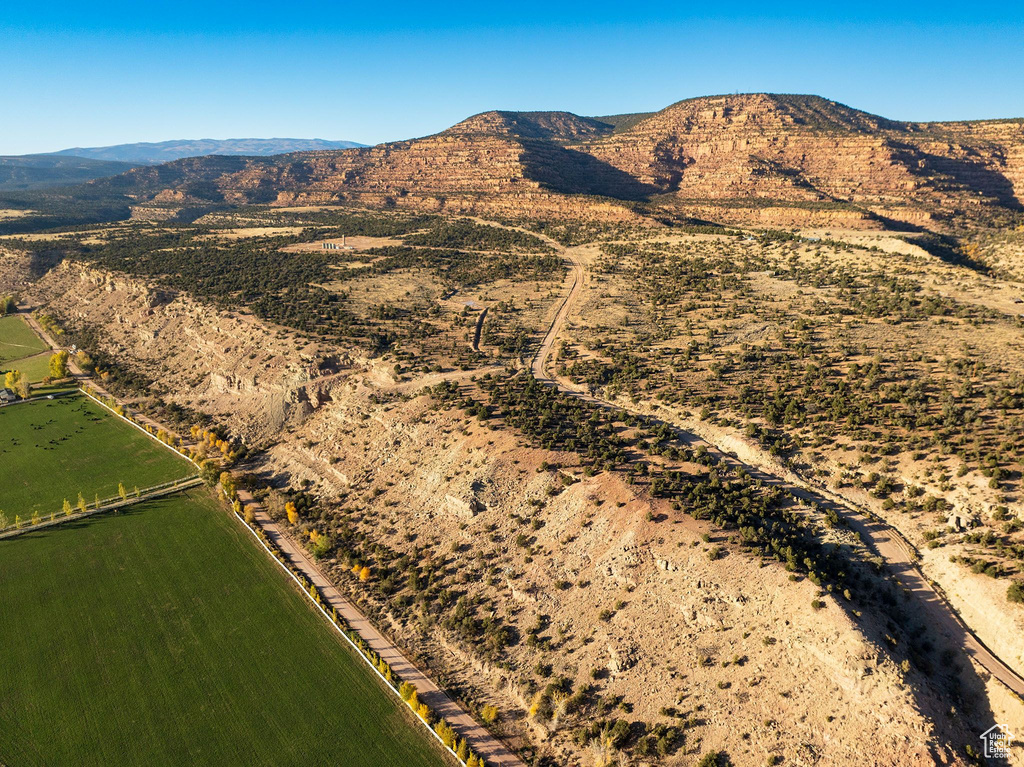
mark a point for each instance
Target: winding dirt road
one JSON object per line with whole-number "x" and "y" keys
{"x": 898, "y": 554}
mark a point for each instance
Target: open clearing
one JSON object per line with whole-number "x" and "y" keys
{"x": 56, "y": 449}
{"x": 35, "y": 369}
{"x": 164, "y": 636}
{"x": 17, "y": 340}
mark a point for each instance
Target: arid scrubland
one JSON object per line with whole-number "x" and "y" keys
{"x": 614, "y": 591}
{"x": 683, "y": 438}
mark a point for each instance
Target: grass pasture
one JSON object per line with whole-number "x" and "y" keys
{"x": 35, "y": 369}
{"x": 55, "y": 449}
{"x": 17, "y": 340}
{"x": 164, "y": 636}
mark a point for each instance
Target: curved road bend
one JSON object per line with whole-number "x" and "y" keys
{"x": 494, "y": 752}
{"x": 898, "y": 554}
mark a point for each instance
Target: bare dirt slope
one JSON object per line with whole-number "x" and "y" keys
{"x": 519, "y": 576}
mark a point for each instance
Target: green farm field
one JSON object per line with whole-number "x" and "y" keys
{"x": 35, "y": 369}
{"x": 164, "y": 635}
{"x": 56, "y": 449}
{"x": 17, "y": 340}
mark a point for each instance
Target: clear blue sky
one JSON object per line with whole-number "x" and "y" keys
{"x": 95, "y": 73}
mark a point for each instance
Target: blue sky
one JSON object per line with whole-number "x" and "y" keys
{"x": 86, "y": 74}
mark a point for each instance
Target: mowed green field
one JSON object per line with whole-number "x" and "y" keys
{"x": 17, "y": 340}
{"x": 55, "y": 449}
{"x": 165, "y": 636}
{"x": 35, "y": 369}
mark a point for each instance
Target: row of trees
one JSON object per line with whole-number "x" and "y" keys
{"x": 67, "y": 509}
{"x": 406, "y": 690}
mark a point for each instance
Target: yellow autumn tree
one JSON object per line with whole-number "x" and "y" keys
{"x": 59, "y": 365}
{"x": 15, "y": 381}
{"x": 364, "y": 574}
{"x": 445, "y": 733}
{"x": 534, "y": 709}
{"x": 292, "y": 512}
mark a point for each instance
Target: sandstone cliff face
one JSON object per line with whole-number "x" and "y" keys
{"x": 804, "y": 149}
{"x": 759, "y": 149}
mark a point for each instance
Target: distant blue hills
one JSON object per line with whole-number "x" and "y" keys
{"x": 81, "y": 164}
{"x": 149, "y": 153}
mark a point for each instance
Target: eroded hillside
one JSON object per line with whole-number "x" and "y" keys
{"x": 617, "y": 587}
{"x": 753, "y": 159}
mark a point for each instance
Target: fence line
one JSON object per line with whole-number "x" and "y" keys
{"x": 141, "y": 428}
{"x": 335, "y": 622}
{"x": 39, "y": 398}
{"x": 108, "y": 504}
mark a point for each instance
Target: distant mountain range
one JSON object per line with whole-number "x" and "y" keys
{"x": 38, "y": 171}
{"x": 147, "y": 153}
{"x": 81, "y": 164}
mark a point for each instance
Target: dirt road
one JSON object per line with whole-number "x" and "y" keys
{"x": 889, "y": 544}
{"x": 478, "y": 330}
{"x": 494, "y": 752}
{"x": 486, "y": 745}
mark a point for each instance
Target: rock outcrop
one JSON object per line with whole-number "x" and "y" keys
{"x": 762, "y": 159}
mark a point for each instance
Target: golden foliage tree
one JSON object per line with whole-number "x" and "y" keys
{"x": 59, "y": 365}
{"x": 15, "y": 381}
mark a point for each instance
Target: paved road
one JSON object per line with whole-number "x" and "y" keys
{"x": 494, "y": 752}
{"x": 888, "y": 543}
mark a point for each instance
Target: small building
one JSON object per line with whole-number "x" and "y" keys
{"x": 7, "y": 396}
